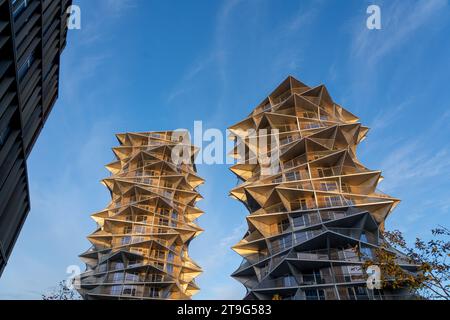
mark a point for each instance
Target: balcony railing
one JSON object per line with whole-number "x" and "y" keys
{"x": 311, "y": 280}
{"x": 295, "y": 162}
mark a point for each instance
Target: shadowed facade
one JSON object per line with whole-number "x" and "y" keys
{"x": 32, "y": 37}
{"x": 140, "y": 249}
{"x": 317, "y": 217}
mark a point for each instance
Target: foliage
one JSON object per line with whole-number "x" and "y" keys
{"x": 62, "y": 292}
{"x": 430, "y": 275}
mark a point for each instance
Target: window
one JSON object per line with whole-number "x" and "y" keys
{"x": 139, "y": 173}
{"x": 292, "y": 176}
{"x": 313, "y": 294}
{"x": 300, "y": 204}
{"x": 364, "y": 237}
{"x": 333, "y": 201}
{"x": 155, "y": 278}
{"x": 153, "y": 292}
{"x": 169, "y": 268}
{"x": 129, "y": 290}
{"x": 324, "y": 172}
{"x": 278, "y": 180}
{"x": 20, "y": 8}
{"x": 309, "y": 115}
{"x": 139, "y": 229}
{"x": 357, "y": 293}
{"x": 117, "y": 277}
{"x": 159, "y": 254}
{"x": 127, "y": 230}
{"x": 289, "y": 281}
{"x": 125, "y": 240}
{"x": 141, "y": 219}
{"x": 283, "y": 225}
{"x": 301, "y": 221}
{"x": 132, "y": 263}
{"x": 328, "y": 186}
{"x": 283, "y": 242}
{"x": 164, "y": 211}
{"x": 133, "y": 277}
{"x": 367, "y": 252}
{"x": 116, "y": 290}
{"x": 164, "y": 222}
{"x": 286, "y": 140}
{"x": 170, "y": 256}
{"x": 26, "y": 66}
{"x": 118, "y": 265}
{"x": 138, "y": 239}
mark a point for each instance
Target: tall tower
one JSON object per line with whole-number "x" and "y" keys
{"x": 32, "y": 37}
{"x": 320, "y": 203}
{"x": 140, "y": 247}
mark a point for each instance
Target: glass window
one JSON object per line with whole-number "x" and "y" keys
{"x": 20, "y": 8}
{"x": 364, "y": 236}
{"x": 125, "y": 240}
{"x": 311, "y": 294}
{"x": 117, "y": 277}
{"x": 153, "y": 292}
{"x": 26, "y": 66}
{"x": 116, "y": 290}
{"x": 367, "y": 252}
{"x": 129, "y": 290}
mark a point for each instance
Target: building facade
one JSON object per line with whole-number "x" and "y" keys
{"x": 32, "y": 37}
{"x": 316, "y": 215}
{"x": 140, "y": 248}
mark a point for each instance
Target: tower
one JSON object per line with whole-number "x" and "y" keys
{"x": 315, "y": 217}
{"x": 140, "y": 248}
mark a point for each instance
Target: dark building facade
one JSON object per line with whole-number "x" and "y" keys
{"x": 32, "y": 37}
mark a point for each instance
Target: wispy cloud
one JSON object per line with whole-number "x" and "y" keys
{"x": 118, "y": 7}
{"x": 385, "y": 118}
{"x": 415, "y": 164}
{"x": 400, "y": 19}
{"x": 305, "y": 15}
{"x": 219, "y": 255}
{"x": 184, "y": 85}
{"x": 215, "y": 58}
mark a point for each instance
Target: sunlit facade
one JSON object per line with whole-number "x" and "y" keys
{"x": 140, "y": 248}
{"x": 316, "y": 218}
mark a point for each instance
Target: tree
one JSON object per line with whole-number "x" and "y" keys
{"x": 62, "y": 292}
{"x": 430, "y": 276}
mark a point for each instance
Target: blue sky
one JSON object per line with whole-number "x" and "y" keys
{"x": 153, "y": 65}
